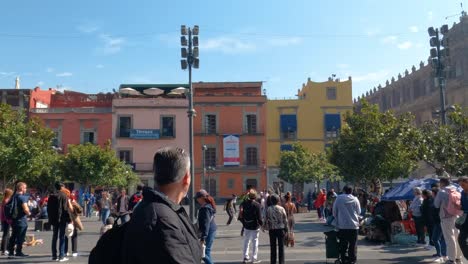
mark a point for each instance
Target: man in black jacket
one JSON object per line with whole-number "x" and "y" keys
{"x": 160, "y": 229}
{"x": 59, "y": 217}
{"x": 251, "y": 221}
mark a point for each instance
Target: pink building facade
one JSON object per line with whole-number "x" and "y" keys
{"x": 142, "y": 124}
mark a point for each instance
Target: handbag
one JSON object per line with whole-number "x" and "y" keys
{"x": 69, "y": 230}
{"x": 460, "y": 221}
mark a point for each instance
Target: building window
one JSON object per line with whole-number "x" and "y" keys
{"x": 286, "y": 147}
{"x": 251, "y": 184}
{"x": 331, "y": 93}
{"x": 251, "y": 156}
{"x": 210, "y": 157}
{"x": 56, "y": 140}
{"x": 230, "y": 184}
{"x": 251, "y": 124}
{"x": 332, "y": 125}
{"x": 288, "y": 126}
{"x": 167, "y": 126}
{"x": 88, "y": 137}
{"x": 210, "y": 124}
{"x": 125, "y": 125}
{"x": 125, "y": 156}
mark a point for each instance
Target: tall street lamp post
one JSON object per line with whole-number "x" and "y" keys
{"x": 440, "y": 63}
{"x": 189, "y": 60}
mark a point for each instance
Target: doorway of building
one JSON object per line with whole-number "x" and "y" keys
{"x": 211, "y": 187}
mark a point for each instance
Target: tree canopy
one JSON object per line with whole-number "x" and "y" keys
{"x": 25, "y": 147}
{"x": 92, "y": 165}
{"x": 302, "y": 166}
{"x": 445, "y": 147}
{"x": 374, "y": 146}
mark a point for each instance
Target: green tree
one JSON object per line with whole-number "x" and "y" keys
{"x": 302, "y": 166}
{"x": 373, "y": 146}
{"x": 91, "y": 165}
{"x": 24, "y": 144}
{"x": 445, "y": 147}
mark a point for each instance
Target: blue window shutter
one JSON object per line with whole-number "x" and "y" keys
{"x": 286, "y": 147}
{"x": 332, "y": 122}
{"x": 288, "y": 123}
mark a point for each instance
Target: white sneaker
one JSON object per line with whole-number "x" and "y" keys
{"x": 75, "y": 255}
{"x": 439, "y": 260}
{"x": 63, "y": 259}
{"x": 429, "y": 247}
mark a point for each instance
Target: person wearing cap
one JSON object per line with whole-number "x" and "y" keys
{"x": 251, "y": 219}
{"x": 160, "y": 230}
{"x": 206, "y": 223}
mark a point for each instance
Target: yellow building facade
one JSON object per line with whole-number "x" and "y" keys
{"x": 314, "y": 119}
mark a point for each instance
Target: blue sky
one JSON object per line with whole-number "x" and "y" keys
{"x": 93, "y": 46}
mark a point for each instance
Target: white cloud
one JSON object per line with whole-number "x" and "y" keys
{"x": 285, "y": 41}
{"x": 389, "y": 39}
{"x": 40, "y": 83}
{"x": 430, "y": 15}
{"x": 414, "y": 29}
{"x": 228, "y": 45}
{"x": 99, "y": 66}
{"x": 372, "y": 76}
{"x": 49, "y": 69}
{"x": 111, "y": 45}
{"x": 405, "y": 45}
{"x": 87, "y": 28}
{"x": 64, "y": 74}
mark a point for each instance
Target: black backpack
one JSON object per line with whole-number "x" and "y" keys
{"x": 109, "y": 247}
{"x": 11, "y": 208}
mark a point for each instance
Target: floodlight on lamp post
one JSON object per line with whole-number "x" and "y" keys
{"x": 190, "y": 60}
{"x": 440, "y": 61}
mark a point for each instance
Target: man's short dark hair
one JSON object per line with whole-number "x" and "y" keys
{"x": 445, "y": 181}
{"x": 58, "y": 186}
{"x": 348, "y": 189}
{"x": 274, "y": 199}
{"x": 140, "y": 186}
{"x": 170, "y": 165}
{"x": 463, "y": 179}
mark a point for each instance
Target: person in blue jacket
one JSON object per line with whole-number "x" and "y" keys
{"x": 206, "y": 222}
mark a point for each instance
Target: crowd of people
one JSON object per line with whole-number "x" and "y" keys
{"x": 440, "y": 212}
{"x": 153, "y": 223}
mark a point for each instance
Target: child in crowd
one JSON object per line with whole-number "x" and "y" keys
{"x": 109, "y": 224}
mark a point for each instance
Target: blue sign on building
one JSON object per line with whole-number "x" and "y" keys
{"x": 144, "y": 133}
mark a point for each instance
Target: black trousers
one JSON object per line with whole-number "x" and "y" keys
{"x": 462, "y": 237}
{"x": 231, "y": 216}
{"x": 276, "y": 238}
{"x": 348, "y": 249}
{"x": 430, "y": 229}
{"x": 419, "y": 224}
{"x": 5, "y": 236}
{"x": 74, "y": 242}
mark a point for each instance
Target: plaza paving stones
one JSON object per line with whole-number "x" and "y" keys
{"x": 309, "y": 249}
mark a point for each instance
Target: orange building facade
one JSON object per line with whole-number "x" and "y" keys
{"x": 230, "y": 137}
{"x": 75, "y": 118}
